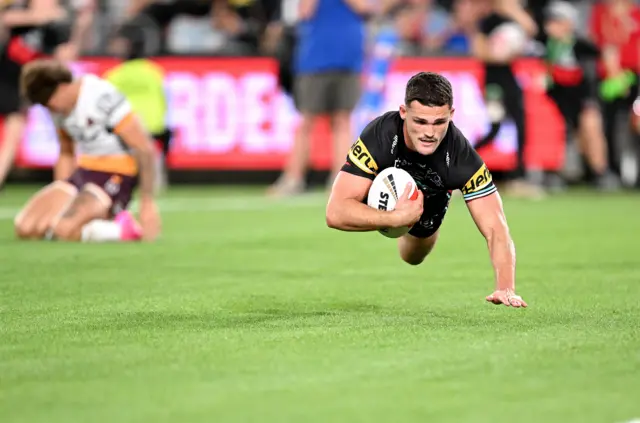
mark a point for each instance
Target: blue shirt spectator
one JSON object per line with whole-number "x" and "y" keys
{"x": 332, "y": 39}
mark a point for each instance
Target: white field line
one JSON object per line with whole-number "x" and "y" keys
{"x": 215, "y": 204}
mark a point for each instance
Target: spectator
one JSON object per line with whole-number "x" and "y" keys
{"x": 615, "y": 27}
{"x": 405, "y": 20}
{"x": 243, "y": 22}
{"x": 572, "y": 90}
{"x": 456, "y": 37}
{"x": 34, "y": 30}
{"x": 501, "y": 80}
{"x": 329, "y": 60}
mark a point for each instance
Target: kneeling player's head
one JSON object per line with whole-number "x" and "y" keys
{"x": 427, "y": 111}
{"x": 46, "y": 82}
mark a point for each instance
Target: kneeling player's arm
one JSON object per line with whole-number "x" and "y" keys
{"x": 346, "y": 210}
{"x": 130, "y": 130}
{"x": 488, "y": 214}
{"x": 66, "y": 163}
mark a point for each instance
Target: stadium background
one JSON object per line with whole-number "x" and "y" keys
{"x": 228, "y": 112}
{"x": 250, "y": 309}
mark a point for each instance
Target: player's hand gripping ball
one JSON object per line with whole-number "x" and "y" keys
{"x": 386, "y": 189}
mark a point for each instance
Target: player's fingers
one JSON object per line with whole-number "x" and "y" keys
{"x": 517, "y": 301}
{"x": 494, "y": 299}
{"x": 406, "y": 192}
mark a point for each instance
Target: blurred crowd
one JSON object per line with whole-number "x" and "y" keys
{"x": 252, "y": 27}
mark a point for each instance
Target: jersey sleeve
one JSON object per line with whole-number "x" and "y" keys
{"x": 365, "y": 155}
{"x": 112, "y": 105}
{"x": 470, "y": 175}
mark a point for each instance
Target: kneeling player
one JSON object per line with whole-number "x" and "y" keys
{"x": 422, "y": 140}
{"x": 88, "y": 200}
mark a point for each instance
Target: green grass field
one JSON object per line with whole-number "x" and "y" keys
{"x": 253, "y": 311}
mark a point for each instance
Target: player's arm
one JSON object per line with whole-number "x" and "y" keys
{"x": 127, "y": 126}
{"x": 133, "y": 134}
{"x": 488, "y": 214}
{"x": 123, "y": 122}
{"x": 66, "y": 163}
{"x": 485, "y": 207}
{"x": 347, "y": 209}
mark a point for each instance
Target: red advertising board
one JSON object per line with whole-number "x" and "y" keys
{"x": 228, "y": 114}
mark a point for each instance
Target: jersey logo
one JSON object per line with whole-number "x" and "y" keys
{"x": 481, "y": 179}
{"x": 391, "y": 186}
{"x": 361, "y": 157}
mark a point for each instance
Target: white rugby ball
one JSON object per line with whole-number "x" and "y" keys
{"x": 507, "y": 40}
{"x": 385, "y": 191}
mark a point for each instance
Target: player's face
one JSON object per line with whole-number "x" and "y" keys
{"x": 425, "y": 126}
{"x": 57, "y": 102}
{"x": 559, "y": 28}
{"x": 63, "y": 100}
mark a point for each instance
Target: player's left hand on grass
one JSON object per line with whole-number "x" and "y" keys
{"x": 506, "y": 297}
{"x": 149, "y": 220}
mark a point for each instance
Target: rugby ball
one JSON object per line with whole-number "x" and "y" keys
{"x": 507, "y": 40}
{"x": 385, "y": 191}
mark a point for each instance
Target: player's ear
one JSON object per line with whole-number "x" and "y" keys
{"x": 403, "y": 111}
{"x": 453, "y": 110}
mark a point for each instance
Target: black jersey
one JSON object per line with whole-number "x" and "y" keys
{"x": 454, "y": 165}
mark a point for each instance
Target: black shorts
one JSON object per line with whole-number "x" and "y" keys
{"x": 118, "y": 187}
{"x": 572, "y": 100}
{"x": 435, "y": 208}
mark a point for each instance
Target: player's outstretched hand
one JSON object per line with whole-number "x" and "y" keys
{"x": 408, "y": 210}
{"x": 149, "y": 220}
{"x": 506, "y": 297}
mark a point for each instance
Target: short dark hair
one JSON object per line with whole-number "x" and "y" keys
{"x": 429, "y": 89}
{"x": 40, "y": 79}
